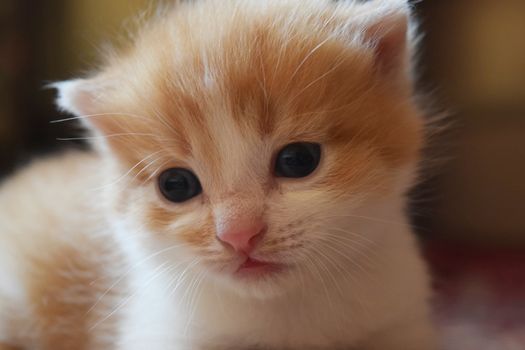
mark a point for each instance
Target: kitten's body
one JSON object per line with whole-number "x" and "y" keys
{"x": 97, "y": 260}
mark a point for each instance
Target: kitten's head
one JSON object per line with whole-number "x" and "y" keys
{"x": 245, "y": 134}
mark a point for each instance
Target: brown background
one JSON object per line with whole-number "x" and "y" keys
{"x": 472, "y": 63}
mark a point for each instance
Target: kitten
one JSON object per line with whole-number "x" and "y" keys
{"x": 246, "y": 190}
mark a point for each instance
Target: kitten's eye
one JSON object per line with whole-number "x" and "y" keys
{"x": 179, "y": 185}
{"x": 298, "y": 160}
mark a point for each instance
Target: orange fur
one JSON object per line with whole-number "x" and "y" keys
{"x": 65, "y": 271}
{"x": 64, "y": 287}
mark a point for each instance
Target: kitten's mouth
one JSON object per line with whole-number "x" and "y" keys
{"x": 253, "y": 268}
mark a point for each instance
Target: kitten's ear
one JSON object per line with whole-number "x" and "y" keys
{"x": 90, "y": 100}
{"x": 387, "y": 30}
{"x": 77, "y": 96}
{"x": 82, "y": 98}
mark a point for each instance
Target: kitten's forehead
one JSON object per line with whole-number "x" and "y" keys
{"x": 259, "y": 80}
{"x": 235, "y": 105}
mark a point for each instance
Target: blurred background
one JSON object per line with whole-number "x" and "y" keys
{"x": 471, "y": 205}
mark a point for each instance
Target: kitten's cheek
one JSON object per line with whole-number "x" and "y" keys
{"x": 196, "y": 233}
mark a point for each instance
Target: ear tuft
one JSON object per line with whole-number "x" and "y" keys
{"x": 77, "y": 96}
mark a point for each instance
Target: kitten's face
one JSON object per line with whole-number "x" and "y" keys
{"x": 250, "y": 144}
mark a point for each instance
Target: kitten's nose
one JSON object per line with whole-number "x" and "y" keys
{"x": 242, "y": 235}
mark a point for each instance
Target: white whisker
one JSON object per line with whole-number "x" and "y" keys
{"x": 87, "y": 116}
{"x": 156, "y": 273}
{"x": 102, "y": 137}
{"x": 127, "y": 173}
{"x": 131, "y": 269}
{"x": 194, "y": 296}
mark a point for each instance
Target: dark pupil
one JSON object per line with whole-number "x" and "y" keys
{"x": 298, "y": 160}
{"x": 179, "y": 185}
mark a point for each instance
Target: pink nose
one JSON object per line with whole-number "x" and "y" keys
{"x": 242, "y": 236}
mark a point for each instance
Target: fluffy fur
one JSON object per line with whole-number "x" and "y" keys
{"x": 92, "y": 256}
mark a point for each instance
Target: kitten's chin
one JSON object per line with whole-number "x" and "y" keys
{"x": 257, "y": 278}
